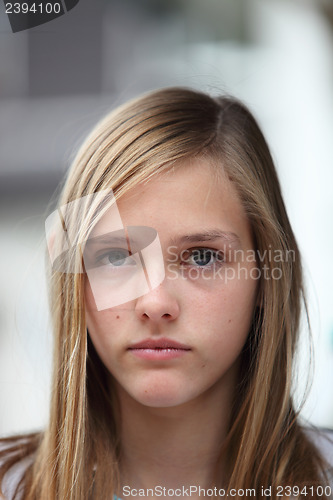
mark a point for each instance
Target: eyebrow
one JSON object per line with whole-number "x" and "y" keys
{"x": 206, "y": 235}
{"x": 132, "y": 244}
{"x": 202, "y": 236}
{"x": 106, "y": 240}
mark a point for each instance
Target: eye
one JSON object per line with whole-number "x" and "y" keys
{"x": 203, "y": 257}
{"x": 116, "y": 257}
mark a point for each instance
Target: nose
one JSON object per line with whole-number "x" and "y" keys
{"x": 160, "y": 304}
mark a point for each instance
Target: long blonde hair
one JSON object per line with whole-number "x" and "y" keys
{"x": 76, "y": 457}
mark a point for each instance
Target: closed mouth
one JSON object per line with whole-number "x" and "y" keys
{"x": 159, "y": 345}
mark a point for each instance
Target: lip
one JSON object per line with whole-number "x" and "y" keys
{"x": 159, "y": 349}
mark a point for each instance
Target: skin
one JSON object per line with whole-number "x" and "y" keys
{"x": 175, "y": 413}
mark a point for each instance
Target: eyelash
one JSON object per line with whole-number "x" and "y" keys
{"x": 105, "y": 254}
{"x": 216, "y": 254}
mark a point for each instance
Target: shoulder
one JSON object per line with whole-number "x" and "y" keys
{"x": 12, "y": 467}
{"x": 323, "y": 440}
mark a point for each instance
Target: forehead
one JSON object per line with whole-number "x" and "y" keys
{"x": 188, "y": 197}
{"x": 188, "y": 185}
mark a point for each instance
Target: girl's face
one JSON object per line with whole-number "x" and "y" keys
{"x": 183, "y": 339}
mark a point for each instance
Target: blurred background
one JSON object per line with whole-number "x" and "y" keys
{"x": 56, "y": 80}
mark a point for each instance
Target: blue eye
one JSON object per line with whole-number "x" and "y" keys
{"x": 116, "y": 257}
{"x": 204, "y": 257}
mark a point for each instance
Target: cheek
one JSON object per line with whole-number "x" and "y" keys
{"x": 229, "y": 323}
{"x": 223, "y": 312}
{"x": 104, "y": 328}
{"x": 99, "y": 327}
{"x": 228, "y": 300}
{"x": 101, "y": 320}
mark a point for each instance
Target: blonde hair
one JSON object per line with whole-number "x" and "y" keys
{"x": 76, "y": 458}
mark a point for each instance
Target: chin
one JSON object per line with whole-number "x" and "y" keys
{"x": 166, "y": 398}
{"x": 159, "y": 391}
{"x": 160, "y": 396}
{"x": 161, "y": 401}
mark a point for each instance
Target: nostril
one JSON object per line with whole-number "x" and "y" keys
{"x": 147, "y": 316}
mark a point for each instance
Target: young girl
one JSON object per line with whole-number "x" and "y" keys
{"x": 176, "y": 293}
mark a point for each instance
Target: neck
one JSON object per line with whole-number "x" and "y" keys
{"x": 173, "y": 447}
